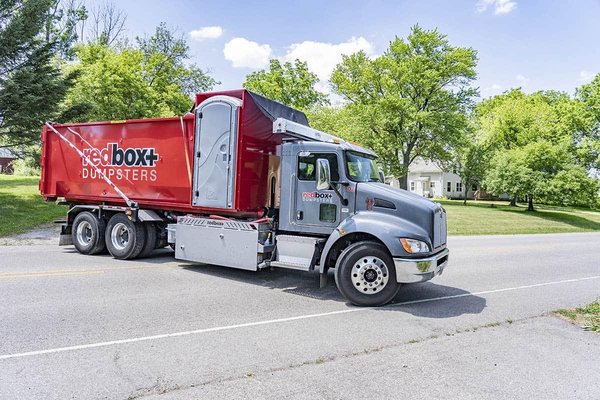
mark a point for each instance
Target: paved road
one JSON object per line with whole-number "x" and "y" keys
{"x": 73, "y": 326}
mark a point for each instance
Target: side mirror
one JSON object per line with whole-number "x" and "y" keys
{"x": 381, "y": 176}
{"x": 323, "y": 174}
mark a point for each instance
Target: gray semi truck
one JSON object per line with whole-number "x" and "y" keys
{"x": 244, "y": 182}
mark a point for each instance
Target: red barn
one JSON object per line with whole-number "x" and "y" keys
{"x": 6, "y": 161}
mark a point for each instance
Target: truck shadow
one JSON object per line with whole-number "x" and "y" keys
{"x": 158, "y": 256}
{"x": 428, "y": 300}
{"x": 431, "y": 300}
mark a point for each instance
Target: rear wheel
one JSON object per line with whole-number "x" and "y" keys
{"x": 151, "y": 238}
{"x": 87, "y": 233}
{"x": 365, "y": 274}
{"x": 124, "y": 238}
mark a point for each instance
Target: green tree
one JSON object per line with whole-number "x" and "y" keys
{"x": 526, "y": 171}
{"x": 290, "y": 84}
{"x": 535, "y": 145}
{"x": 471, "y": 160}
{"x": 31, "y": 84}
{"x": 588, "y": 136}
{"x": 413, "y": 100}
{"x": 150, "y": 79}
{"x": 335, "y": 120}
{"x": 572, "y": 186}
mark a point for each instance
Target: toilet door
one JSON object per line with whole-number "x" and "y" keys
{"x": 215, "y": 145}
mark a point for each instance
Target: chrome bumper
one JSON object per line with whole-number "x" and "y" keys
{"x": 420, "y": 269}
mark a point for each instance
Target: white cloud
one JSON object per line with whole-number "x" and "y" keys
{"x": 323, "y": 57}
{"x": 586, "y": 76}
{"x": 207, "y": 32}
{"x": 492, "y": 90}
{"x": 523, "y": 80}
{"x": 500, "y": 6}
{"x": 244, "y": 53}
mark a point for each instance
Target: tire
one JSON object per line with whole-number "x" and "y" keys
{"x": 124, "y": 238}
{"x": 151, "y": 237}
{"x": 365, "y": 274}
{"x": 87, "y": 233}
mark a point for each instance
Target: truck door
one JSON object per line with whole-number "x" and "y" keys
{"x": 214, "y": 162}
{"x": 315, "y": 211}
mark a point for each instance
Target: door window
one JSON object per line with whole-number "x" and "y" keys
{"x": 307, "y": 166}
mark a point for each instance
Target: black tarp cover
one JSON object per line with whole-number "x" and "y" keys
{"x": 273, "y": 109}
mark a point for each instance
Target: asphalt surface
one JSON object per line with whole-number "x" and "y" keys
{"x": 74, "y": 326}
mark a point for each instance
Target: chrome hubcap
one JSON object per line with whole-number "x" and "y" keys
{"x": 119, "y": 236}
{"x": 369, "y": 275}
{"x": 84, "y": 233}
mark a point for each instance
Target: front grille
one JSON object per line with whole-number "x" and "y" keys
{"x": 439, "y": 228}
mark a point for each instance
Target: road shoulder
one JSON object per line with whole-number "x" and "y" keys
{"x": 540, "y": 357}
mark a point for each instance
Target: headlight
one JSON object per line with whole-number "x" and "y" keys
{"x": 414, "y": 246}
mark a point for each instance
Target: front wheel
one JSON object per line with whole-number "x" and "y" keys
{"x": 365, "y": 274}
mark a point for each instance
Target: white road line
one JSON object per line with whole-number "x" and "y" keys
{"x": 493, "y": 291}
{"x": 275, "y": 321}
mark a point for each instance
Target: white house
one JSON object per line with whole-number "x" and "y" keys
{"x": 428, "y": 179}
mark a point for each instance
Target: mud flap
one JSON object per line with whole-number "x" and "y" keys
{"x": 65, "y": 238}
{"x": 323, "y": 279}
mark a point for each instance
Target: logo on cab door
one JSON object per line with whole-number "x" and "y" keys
{"x": 318, "y": 197}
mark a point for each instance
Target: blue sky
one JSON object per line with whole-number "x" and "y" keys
{"x": 534, "y": 44}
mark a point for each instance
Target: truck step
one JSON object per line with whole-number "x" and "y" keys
{"x": 289, "y": 265}
{"x": 295, "y": 252}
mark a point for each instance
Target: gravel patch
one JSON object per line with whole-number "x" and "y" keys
{"x": 43, "y": 234}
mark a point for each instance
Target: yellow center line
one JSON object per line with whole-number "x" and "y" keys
{"x": 13, "y": 275}
{"x": 39, "y": 274}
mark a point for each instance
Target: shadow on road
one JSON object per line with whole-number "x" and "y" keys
{"x": 158, "y": 256}
{"x": 306, "y": 284}
{"x": 430, "y": 300}
{"x": 427, "y": 299}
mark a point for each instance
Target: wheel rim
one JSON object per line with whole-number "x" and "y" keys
{"x": 85, "y": 233}
{"x": 369, "y": 275}
{"x": 119, "y": 236}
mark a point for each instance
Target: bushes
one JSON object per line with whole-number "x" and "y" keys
{"x": 572, "y": 187}
{"x": 26, "y": 167}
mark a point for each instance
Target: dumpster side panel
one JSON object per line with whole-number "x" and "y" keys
{"x": 145, "y": 158}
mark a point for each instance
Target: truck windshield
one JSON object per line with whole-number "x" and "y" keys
{"x": 361, "y": 167}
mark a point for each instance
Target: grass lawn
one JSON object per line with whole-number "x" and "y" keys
{"x": 22, "y": 207}
{"x": 587, "y": 317}
{"x": 498, "y": 218}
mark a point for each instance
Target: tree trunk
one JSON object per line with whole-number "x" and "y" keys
{"x": 513, "y": 202}
{"x": 403, "y": 182}
{"x": 466, "y": 192}
{"x": 530, "y": 203}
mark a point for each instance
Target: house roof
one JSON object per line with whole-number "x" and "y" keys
{"x": 420, "y": 165}
{"x": 6, "y": 153}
